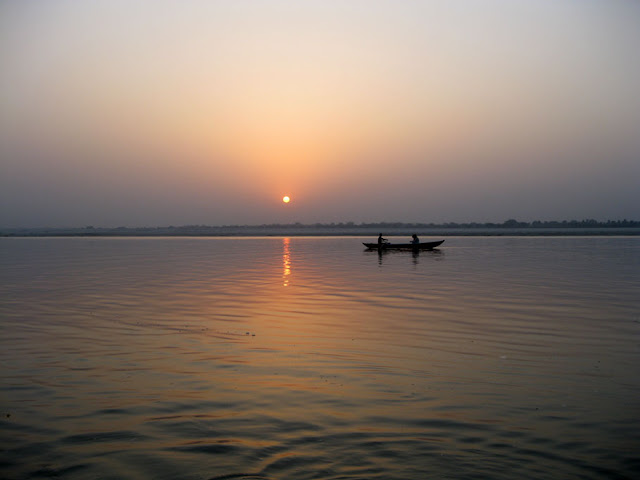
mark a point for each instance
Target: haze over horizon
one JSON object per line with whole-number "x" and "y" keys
{"x": 155, "y": 113}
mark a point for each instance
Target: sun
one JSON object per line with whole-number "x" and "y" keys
{"x": 286, "y": 199}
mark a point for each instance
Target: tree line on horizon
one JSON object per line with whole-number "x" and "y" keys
{"x": 204, "y": 229}
{"x": 511, "y": 223}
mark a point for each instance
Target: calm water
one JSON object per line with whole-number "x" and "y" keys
{"x": 309, "y": 358}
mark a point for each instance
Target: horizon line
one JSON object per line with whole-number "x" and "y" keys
{"x": 510, "y": 223}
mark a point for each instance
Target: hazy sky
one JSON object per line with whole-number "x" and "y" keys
{"x": 145, "y": 113}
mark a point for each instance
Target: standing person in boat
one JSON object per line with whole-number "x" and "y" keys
{"x": 415, "y": 240}
{"x": 381, "y": 240}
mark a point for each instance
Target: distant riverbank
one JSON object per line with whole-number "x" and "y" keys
{"x": 317, "y": 230}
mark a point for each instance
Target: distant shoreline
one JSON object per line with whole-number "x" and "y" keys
{"x": 321, "y": 231}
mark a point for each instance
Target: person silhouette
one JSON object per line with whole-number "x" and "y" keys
{"x": 381, "y": 240}
{"x": 415, "y": 240}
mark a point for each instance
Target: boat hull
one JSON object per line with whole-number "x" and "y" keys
{"x": 403, "y": 246}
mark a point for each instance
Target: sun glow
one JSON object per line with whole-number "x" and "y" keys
{"x": 286, "y": 199}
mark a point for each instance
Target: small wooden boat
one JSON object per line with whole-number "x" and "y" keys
{"x": 403, "y": 246}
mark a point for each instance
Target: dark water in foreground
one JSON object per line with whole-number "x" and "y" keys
{"x": 309, "y": 358}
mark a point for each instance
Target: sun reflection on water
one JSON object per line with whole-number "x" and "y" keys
{"x": 286, "y": 261}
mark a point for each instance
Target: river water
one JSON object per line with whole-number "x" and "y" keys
{"x": 311, "y": 358}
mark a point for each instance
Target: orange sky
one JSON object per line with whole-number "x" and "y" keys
{"x": 209, "y": 112}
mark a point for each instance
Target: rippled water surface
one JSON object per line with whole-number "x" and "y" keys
{"x": 310, "y": 358}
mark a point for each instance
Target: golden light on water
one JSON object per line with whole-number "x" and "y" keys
{"x": 286, "y": 199}
{"x": 286, "y": 261}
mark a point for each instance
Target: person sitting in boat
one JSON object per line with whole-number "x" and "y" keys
{"x": 382, "y": 240}
{"x": 415, "y": 240}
